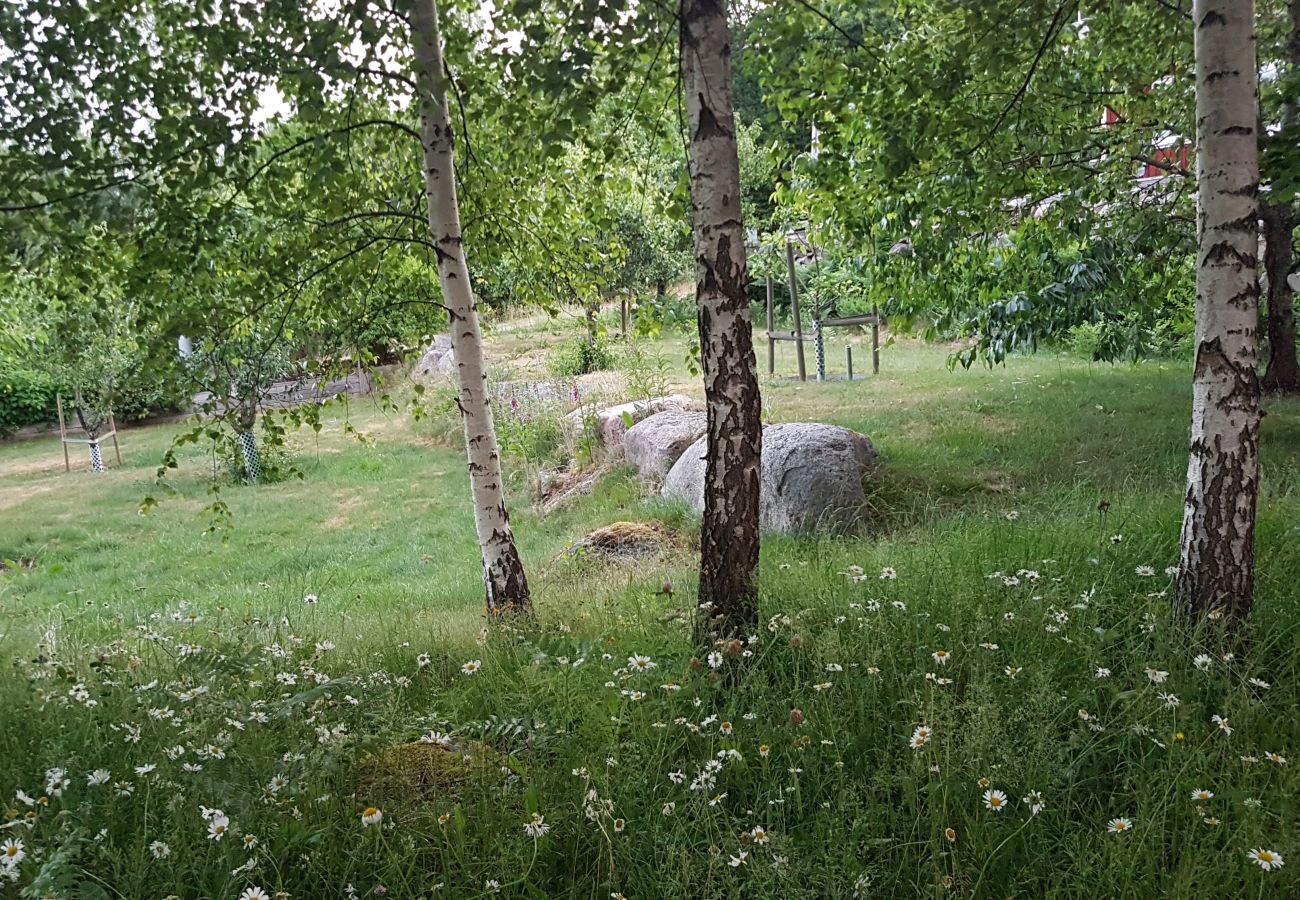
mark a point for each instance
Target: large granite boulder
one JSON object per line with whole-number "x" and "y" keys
{"x": 655, "y": 443}
{"x": 437, "y": 363}
{"x": 812, "y": 477}
{"x": 612, "y": 424}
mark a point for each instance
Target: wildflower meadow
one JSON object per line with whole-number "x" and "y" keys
{"x": 987, "y": 698}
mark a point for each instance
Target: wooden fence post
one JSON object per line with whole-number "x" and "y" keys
{"x": 771, "y": 344}
{"x": 875, "y": 340}
{"x": 794, "y": 311}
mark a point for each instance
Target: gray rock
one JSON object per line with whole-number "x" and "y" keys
{"x": 655, "y": 443}
{"x": 610, "y": 422}
{"x": 532, "y": 394}
{"x": 437, "y": 363}
{"x": 812, "y": 477}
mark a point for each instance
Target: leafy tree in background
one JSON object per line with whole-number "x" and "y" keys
{"x": 174, "y": 99}
{"x": 944, "y": 123}
{"x": 1279, "y": 207}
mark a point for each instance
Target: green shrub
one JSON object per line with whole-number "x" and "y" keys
{"x": 580, "y": 356}
{"x": 26, "y": 398}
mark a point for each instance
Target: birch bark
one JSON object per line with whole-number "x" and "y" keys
{"x": 729, "y": 536}
{"x": 1216, "y": 569}
{"x": 503, "y": 570}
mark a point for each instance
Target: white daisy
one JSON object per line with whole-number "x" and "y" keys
{"x": 1268, "y": 860}
{"x": 536, "y": 827}
{"x": 12, "y": 853}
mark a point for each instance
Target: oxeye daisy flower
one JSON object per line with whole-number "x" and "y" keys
{"x": 160, "y": 850}
{"x": 941, "y": 657}
{"x": 1034, "y": 800}
{"x": 1222, "y": 723}
{"x": 12, "y": 853}
{"x": 218, "y": 826}
{"x": 888, "y": 574}
{"x": 619, "y": 825}
{"x": 640, "y": 663}
{"x": 254, "y": 893}
{"x": 764, "y": 750}
{"x": 951, "y": 835}
{"x": 1268, "y": 860}
{"x": 1202, "y": 794}
{"x": 758, "y": 834}
{"x": 277, "y": 783}
{"x": 1203, "y": 661}
{"x": 371, "y": 815}
{"x": 537, "y": 826}
{"x": 472, "y": 666}
{"x": 920, "y": 737}
{"x": 714, "y": 659}
{"x": 1119, "y": 825}
{"x": 995, "y": 800}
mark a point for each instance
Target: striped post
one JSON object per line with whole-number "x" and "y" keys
{"x": 819, "y": 350}
{"x": 252, "y": 458}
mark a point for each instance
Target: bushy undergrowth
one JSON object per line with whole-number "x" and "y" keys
{"x": 984, "y": 723}
{"x": 580, "y": 355}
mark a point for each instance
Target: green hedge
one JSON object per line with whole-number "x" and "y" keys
{"x": 26, "y": 398}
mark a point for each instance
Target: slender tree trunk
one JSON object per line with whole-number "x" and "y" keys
{"x": 1216, "y": 568}
{"x": 1282, "y": 373}
{"x": 728, "y": 598}
{"x": 503, "y": 570}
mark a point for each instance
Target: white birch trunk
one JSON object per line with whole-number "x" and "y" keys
{"x": 503, "y": 571}
{"x": 1216, "y": 568}
{"x": 729, "y": 536}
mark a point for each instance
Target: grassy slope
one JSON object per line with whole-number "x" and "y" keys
{"x": 381, "y": 532}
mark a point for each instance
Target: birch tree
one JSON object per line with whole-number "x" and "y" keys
{"x": 729, "y": 537}
{"x": 503, "y": 570}
{"x": 1216, "y": 568}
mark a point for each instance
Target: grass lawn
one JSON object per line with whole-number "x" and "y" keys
{"x": 1027, "y": 515}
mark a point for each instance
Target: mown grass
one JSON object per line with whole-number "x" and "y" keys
{"x": 380, "y": 533}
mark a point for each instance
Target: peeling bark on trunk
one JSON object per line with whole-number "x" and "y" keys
{"x": 729, "y": 537}
{"x": 503, "y": 570}
{"x": 1282, "y": 373}
{"x": 1216, "y": 568}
